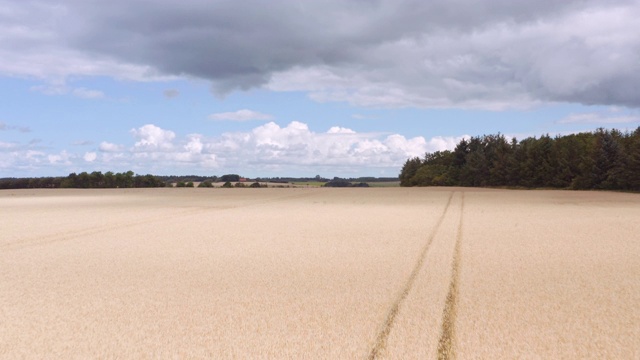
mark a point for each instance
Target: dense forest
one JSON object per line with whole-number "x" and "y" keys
{"x": 604, "y": 159}
{"x": 85, "y": 180}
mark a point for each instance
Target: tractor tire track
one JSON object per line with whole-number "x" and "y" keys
{"x": 446, "y": 343}
{"x": 381, "y": 339}
{"x": 74, "y": 234}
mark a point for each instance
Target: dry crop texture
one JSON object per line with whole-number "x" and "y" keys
{"x": 394, "y": 273}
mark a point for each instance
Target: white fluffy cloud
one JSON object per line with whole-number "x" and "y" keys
{"x": 90, "y": 156}
{"x": 266, "y": 150}
{"x": 110, "y": 147}
{"x": 151, "y": 137}
{"x": 293, "y": 148}
{"x": 61, "y": 158}
{"x": 340, "y": 130}
{"x": 14, "y": 157}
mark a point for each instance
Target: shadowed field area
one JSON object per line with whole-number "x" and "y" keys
{"x": 391, "y": 273}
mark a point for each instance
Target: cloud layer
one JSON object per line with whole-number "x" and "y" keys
{"x": 268, "y": 149}
{"x": 384, "y": 53}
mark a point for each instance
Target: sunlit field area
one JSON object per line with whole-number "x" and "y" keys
{"x": 326, "y": 273}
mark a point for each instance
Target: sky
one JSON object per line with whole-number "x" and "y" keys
{"x": 301, "y": 88}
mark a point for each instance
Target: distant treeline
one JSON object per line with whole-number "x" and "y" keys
{"x": 319, "y": 178}
{"x": 368, "y": 179}
{"x": 338, "y": 182}
{"x": 604, "y": 159}
{"x": 85, "y": 180}
{"x": 198, "y": 178}
{"x": 186, "y": 178}
{"x": 286, "y": 180}
{"x": 97, "y": 180}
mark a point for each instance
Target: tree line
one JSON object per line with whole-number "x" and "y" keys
{"x": 85, "y": 180}
{"x": 603, "y": 159}
{"x": 338, "y": 182}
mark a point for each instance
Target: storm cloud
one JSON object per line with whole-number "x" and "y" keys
{"x": 380, "y": 53}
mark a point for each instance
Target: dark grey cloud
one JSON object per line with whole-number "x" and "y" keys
{"x": 491, "y": 54}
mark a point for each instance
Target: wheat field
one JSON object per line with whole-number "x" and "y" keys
{"x": 314, "y": 273}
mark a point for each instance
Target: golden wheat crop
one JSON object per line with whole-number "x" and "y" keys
{"x": 319, "y": 273}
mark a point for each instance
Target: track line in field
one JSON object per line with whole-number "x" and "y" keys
{"x": 446, "y": 343}
{"x": 73, "y": 234}
{"x": 381, "y": 339}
